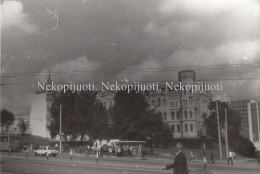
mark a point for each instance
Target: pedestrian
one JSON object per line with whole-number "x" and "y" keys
{"x": 47, "y": 155}
{"x": 101, "y": 151}
{"x": 9, "y": 151}
{"x": 131, "y": 151}
{"x": 87, "y": 150}
{"x": 27, "y": 151}
{"x": 211, "y": 158}
{"x": 56, "y": 146}
{"x": 110, "y": 151}
{"x": 139, "y": 150}
{"x": 121, "y": 151}
{"x": 233, "y": 157}
{"x": 259, "y": 158}
{"x": 191, "y": 156}
{"x": 62, "y": 150}
{"x": 97, "y": 156}
{"x": 80, "y": 150}
{"x": 143, "y": 154}
{"x": 180, "y": 162}
{"x": 71, "y": 153}
{"x": 230, "y": 157}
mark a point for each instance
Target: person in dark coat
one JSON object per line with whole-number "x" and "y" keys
{"x": 180, "y": 162}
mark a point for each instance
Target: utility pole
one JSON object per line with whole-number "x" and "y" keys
{"x": 219, "y": 137}
{"x": 226, "y": 132}
{"x": 60, "y": 129}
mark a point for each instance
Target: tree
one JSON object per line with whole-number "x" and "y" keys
{"x": 236, "y": 141}
{"x": 23, "y": 126}
{"x": 82, "y": 115}
{"x": 7, "y": 119}
{"x": 132, "y": 119}
{"x": 233, "y": 119}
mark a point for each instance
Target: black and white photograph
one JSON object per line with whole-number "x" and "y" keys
{"x": 130, "y": 87}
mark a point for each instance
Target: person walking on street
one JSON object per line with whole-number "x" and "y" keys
{"x": 9, "y": 151}
{"x": 87, "y": 148}
{"x": 259, "y": 158}
{"x": 56, "y": 146}
{"x": 230, "y": 157}
{"x": 233, "y": 157}
{"x": 191, "y": 156}
{"x": 97, "y": 156}
{"x": 211, "y": 158}
{"x": 71, "y": 153}
{"x": 143, "y": 154}
{"x": 110, "y": 151}
{"x": 180, "y": 162}
{"x": 27, "y": 151}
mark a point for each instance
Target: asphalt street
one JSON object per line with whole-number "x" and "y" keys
{"x": 18, "y": 164}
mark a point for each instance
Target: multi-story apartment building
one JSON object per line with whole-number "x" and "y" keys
{"x": 249, "y": 110}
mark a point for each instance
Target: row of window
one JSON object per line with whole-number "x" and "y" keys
{"x": 185, "y": 102}
{"x": 177, "y": 114}
{"x": 177, "y": 128}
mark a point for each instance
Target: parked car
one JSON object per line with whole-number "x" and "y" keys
{"x": 46, "y": 150}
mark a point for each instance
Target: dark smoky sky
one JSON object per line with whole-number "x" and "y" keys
{"x": 95, "y": 35}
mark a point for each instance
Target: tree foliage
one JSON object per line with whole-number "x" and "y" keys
{"x": 82, "y": 115}
{"x": 23, "y": 126}
{"x": 238, "y": 143}
{"x": 7, "y": 119}
{"x": 132, "y": 119}
{"x": 233, "y": 119}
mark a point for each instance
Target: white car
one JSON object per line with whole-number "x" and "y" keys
{"x": 46, "y": 150}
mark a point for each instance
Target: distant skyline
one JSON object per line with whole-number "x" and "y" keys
{"x": 129, "y": 40}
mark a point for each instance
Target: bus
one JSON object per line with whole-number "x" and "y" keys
{"x": 9, "y": 141}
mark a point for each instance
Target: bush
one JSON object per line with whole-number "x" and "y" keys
{"x": 243, "y": 146}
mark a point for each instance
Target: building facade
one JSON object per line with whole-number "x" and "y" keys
{"x": 249, "y": 110}
{"x": 184, "y": 111}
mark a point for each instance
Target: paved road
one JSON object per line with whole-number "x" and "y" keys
{"x": 17, "y": 164}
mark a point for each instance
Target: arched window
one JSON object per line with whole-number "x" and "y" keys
{"x": 165, "y": 115}
{"x": 178, "y": 128}
{"x": 191, "y": 114}
{"x": 159, "y": 101}
{"x": 178, "y": 114}
{"x": 173, "y": 128}
{"x": 191, "y": 127}
{"x": 164, "y": 102}
{"x": 186, "y": 114}
{"x": 172, "y": 115}
{"x": 160, "y": 114}
{"x": 186, "y": 128}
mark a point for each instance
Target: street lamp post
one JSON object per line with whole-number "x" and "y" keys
{"x": 219, "y": 136}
